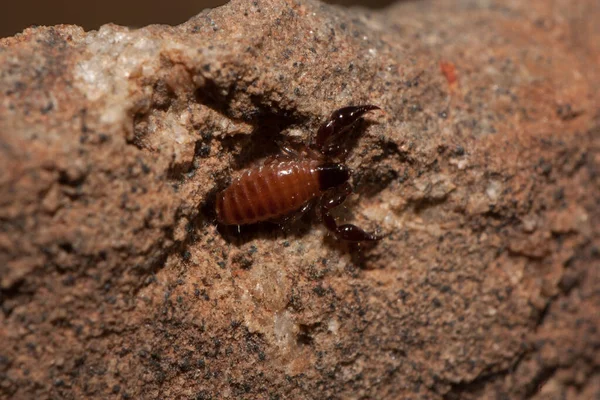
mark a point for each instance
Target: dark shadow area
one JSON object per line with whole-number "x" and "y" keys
{"x": 268, "y": 124}
{"x": 18, "y": 15}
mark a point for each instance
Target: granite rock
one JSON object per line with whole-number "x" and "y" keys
{"x": 482, "y": 172}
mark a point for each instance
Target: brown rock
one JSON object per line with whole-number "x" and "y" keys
{"x": 483, "y": 172}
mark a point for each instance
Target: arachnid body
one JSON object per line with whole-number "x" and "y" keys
{"x": 294, "y": 180}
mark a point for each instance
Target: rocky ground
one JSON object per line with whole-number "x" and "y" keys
{"x": 483, "y": 173}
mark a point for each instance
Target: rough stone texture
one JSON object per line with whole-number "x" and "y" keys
{"x": 483, "y": 172}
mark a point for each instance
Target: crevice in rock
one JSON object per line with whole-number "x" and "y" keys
{"x": 539, "y": 380}
{"x": 422, "y": 204}
{"x": 473, "y": 387}
{"x": 305, "y": 335}
{"x": 17, "y": 290}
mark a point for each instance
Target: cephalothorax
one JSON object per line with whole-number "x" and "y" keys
{"x": 296, "y": 179}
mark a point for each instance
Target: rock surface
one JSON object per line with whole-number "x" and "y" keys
{"x": 483, "y": 172}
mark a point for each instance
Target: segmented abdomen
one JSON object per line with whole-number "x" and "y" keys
{"x": 267, "y": 192}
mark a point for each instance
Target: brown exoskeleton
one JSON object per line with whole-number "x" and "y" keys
{"x": 292, "y": 181}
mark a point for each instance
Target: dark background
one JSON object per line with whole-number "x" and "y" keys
{"x": 17, "y": 15}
